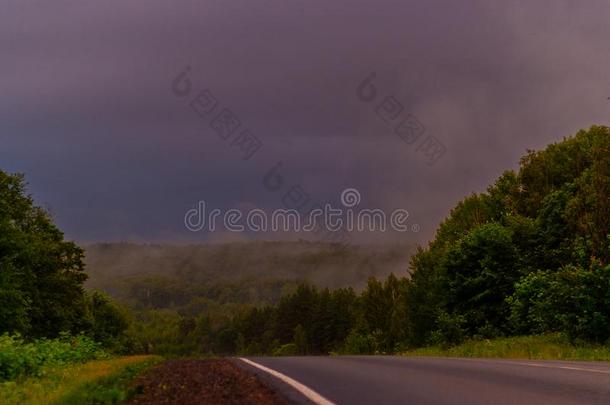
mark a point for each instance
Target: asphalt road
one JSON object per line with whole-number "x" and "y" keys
{"x": 406, "y": 380}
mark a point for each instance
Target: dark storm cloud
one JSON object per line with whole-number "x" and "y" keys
{"x": 88, "y": 114}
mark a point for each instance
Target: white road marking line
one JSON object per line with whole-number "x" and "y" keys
{"x": 491, "y": 360}
{"x": 306, "y": 391}
{"x": 518, "y": 363}
{"x": 590, "y": 370}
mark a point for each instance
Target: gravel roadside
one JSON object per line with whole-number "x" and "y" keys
{"x": 208, "y": 381}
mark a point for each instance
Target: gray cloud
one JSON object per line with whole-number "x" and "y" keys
{"x": 88, "y": 115}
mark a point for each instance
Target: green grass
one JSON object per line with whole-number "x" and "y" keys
{"x": 96, "y": 382}
{"x": 544, "y": 347}
{"x": 111, "y": 389}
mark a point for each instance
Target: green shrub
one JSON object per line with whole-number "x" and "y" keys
{"x": 108, "y": 323}
{"x": 289, "y": 349}
{"x": 449, "y": 330}
{"x": 19, "y": 358}
{"x": 572, "y": 300}
{"x": 361, "y": 343}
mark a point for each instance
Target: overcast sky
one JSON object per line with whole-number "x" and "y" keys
{"x": 87, "y": 110}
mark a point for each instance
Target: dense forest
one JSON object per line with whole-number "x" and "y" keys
{"x": 528, "y": 256}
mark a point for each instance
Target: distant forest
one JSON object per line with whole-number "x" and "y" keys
{"x": 112, "y": 266}
{"x": 173, "y": 291}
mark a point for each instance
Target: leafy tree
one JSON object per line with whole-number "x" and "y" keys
{"x": 537, "y": 228}
{"x": 480, "y": 272}
{"x": 108, "y": 323}
{"x": 41, "y": 291}
{"x": 572, "y": 300}
{"x": 294, "y": 309}
{"x": 424, "y": 296}
{"x": 300, "y": 340}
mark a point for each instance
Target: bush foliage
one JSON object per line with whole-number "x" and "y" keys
{"x": 19, "y": 358}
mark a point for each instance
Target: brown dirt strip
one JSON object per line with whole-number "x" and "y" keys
{"x": 209, "y": 381}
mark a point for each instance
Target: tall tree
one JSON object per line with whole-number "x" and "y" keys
{"x": 41, "y": 274}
